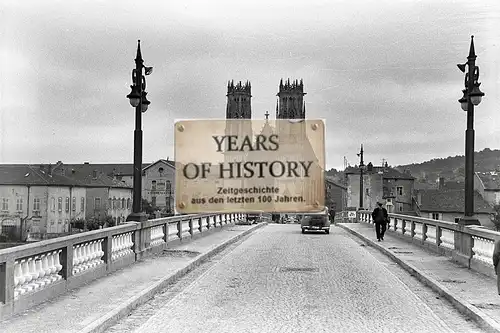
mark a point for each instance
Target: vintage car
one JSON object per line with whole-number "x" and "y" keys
{"x": 254, "y": 217}
{"x": 316, "y": 221}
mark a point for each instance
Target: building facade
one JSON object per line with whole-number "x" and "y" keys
{"x": 335, "y": 195}
{"x": 448, "y": 205}
{"x": 158, "y": 185}
{"x": 380, "y": 183}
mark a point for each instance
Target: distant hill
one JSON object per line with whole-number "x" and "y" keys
{"x": 453, "y": 168}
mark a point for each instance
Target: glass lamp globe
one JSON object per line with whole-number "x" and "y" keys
{"x": 476, "y": 95}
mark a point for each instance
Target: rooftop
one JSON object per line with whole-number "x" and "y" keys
{"x": 451, "y": 201}
{"x": 491, "y": 180}
{"x": 388, "y": 172}
{"x": 333, "y": 181}
{"x": 25, "y": 174}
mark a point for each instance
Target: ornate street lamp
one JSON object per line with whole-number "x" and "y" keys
{"x": 139, "y": 101}
{"x": 472, "y": 96}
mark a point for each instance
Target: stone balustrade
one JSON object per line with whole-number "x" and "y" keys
{"x": 471, "y": 246}
{"x": 33, "y": 273}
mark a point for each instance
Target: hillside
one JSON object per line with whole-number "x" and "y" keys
{"x": 453, "y": 168}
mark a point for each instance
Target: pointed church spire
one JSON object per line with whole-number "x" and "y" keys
{"x": 472, "y": 51}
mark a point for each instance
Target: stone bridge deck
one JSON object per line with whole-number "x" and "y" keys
{"x": 428, "y": 250}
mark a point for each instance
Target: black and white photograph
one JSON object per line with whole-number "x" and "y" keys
{"x": 249, "y": 166}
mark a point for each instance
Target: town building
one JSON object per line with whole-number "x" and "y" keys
{"x": 448, "y": 205}
{"x": 158, "y": 181}
{"x": 380, "y": 183}
{"x": 43, "y": 200}
{"x": 488, "y": 185}
{"x": 335, "y": 195}
{"x": 158, "y": 185}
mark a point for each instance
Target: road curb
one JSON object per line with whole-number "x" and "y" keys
{"x": 460, "y": 304}
{"x": 110, "y": 318}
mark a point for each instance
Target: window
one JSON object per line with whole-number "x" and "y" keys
{"x": 123, "y": 203}
{"x": 36, "y": 205}
{"x": 19, "y": 204}
{"x": 59, "y": 222}
{"x": 5, "y": 204}
{"x": 59, "y": 204}
{"x": 128, "y": 203}
{"x": 67, "y": 204}
{"x": 435, "y": 216}
{"x": 97, "y": 203}
{"x": 82, "y": 205}
{"x": 400, "y": 208}
{"x": 110, "y": 203}
{"x": 53, "y": 204}
{"x": 399, "y": 190}
{"x": 367, "y": 191}
{"x": 153, "y": 185}
{"x": 160, "y": 170}
{"x": 153, "y": 201}
{"x": 74, "y": 203}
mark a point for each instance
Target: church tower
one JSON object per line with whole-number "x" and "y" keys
{"x": 290, "y": 103}
{"x": 239, "y": 100}
{"x": 238, "y": 108}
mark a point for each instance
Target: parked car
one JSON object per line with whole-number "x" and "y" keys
{"x": 316, "y": 221}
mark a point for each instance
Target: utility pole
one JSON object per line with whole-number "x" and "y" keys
{"x": 361, "y": 190}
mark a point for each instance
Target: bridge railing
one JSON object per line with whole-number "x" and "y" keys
{"x": 33, "y": 273}
{"x": 471, "y": 246}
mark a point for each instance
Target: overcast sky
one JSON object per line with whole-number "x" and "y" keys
{"x": 381, "y": 73}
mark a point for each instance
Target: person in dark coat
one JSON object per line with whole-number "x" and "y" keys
{"x": 380, "y": 217}
{"x": 496, "y": 260}
{"x": 332, "y": 216}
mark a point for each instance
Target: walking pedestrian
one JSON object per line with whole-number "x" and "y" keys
{"x": 332, "y": 216}
{"x": 496, "y": 260}
{"x": 379, "y": 217}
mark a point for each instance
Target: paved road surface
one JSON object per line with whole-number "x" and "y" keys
{"x": 279, "y": 280}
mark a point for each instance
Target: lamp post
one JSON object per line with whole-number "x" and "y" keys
{"x": 381, "y": 173}
{"x": 472, "y": 96}
{"x": 138, "y": 100}
{"x": 361, "y": 167}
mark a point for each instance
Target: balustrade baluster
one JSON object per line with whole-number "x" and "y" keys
{"x": 46, "y": 267}
{"x": 93, "y": 254}
{"x": 85, "y": 256}
{"x": 114, "y": 241}
{"x": 58, "y": 265}
{"x": 27, "y": 287}
{"x": 100, "y": 252}
{"x": 18, "y": 278}
{"x": 41, "y": 272}
{"x": 121, "y": 246}
{"x": 34, "y": 275}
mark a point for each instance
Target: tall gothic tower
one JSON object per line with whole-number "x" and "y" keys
{"x": 290, "y": 103}
{"x": 238, "y": 108}
{"x": 238, "y": 101}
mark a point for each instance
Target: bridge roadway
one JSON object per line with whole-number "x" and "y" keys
{"x": 279, "y": 280}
